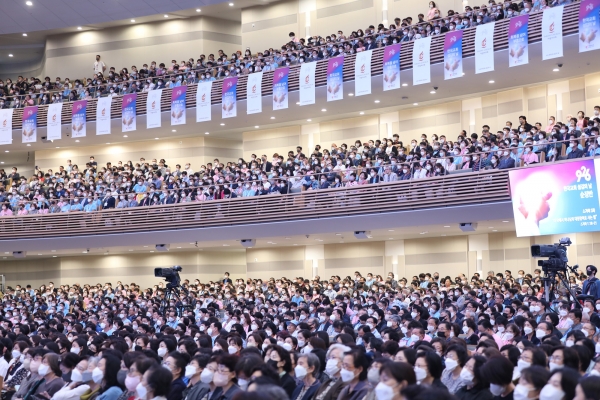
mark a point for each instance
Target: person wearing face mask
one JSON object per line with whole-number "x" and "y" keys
{"x": 79, "y": 386}
{"x": 498, "y": 371}
{"x": 333, "y": 385}
{"x": 133, "y": 374}
{"x": 155, "y": 384}
{"x": 506, "y": 161}
{"x": 200, "y": 377}
{"x": 166, "y": 346}
{"x": 591, "y": 286}
{"x": 393, "y": 378}
{"x": 531, "y": 382}
{"x": 456, "y": 357}
{"x": 67, "y": 363}
{"x": 176, "y": 363}
{"x": 306, "y": 370}
{"x": 279, "y": 359}
{"x": 474, "y": 386}
{"x": 354, "y": 374}
{"x": 224, "y": 378}
{"x": 49, "y": 372}
{"x": 561, "y": 385}
{"x": 428, "y": 369}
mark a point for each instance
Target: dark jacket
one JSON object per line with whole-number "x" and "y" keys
{"x": 330, "y": 389}
{"x": 475, "y": 393}
{"x": 308, "y": 394}
{"x": 197, "y": 392}
{"x": 177, "y": 388}
{"x": 288, "y": 384}
{"x": 358, "y": 393}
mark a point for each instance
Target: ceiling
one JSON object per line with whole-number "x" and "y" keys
{"x": 395, "y": 233}
{"x": 52, "y": 17}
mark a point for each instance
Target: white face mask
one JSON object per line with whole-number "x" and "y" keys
{"x": 550, "y": 392}
{"x": 383, "y": 391}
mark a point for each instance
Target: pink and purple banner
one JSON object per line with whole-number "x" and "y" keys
{"x": 280, "y": 88}
{"x": 178, "y": 105}
{"x": 229, "y": 97}
{"x": 518, "y": 41}
{"x": 128, "y": 114}
{"x": 335, "y": 79}
{"x": 30, "y": 124}
{"x": 589, "y": 25}
{"x": 453, "y": 66}
{"x": 78, "y": 118}
{"x": 391, "y": 67}
{"x": 553, "y": 199}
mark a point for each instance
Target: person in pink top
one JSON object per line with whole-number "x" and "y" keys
{"x": 551, "y": 123}
{"x": 5, "y": 212}
{"x": 581, "y": 122}
{"x": 529, "y": 157}
{"x": 433, "y": 11}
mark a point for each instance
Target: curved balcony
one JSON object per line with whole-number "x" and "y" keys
{"x": 570, "y": 26}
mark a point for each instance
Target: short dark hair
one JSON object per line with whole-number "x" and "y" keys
{"x": 159, "y": 379}
{"x": 497, "y": 370}
{"x": 536, "y": 375}
{"x": 434, "y": 363}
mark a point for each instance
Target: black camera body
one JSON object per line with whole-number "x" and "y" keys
{"x": 171, "y": 275}
{"x": 556, "y": 253}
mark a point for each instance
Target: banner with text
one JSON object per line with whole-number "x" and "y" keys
{"x": 254, "y": 93}
{"x": 30, "y": 124}
{"x": 78, "y": 119}
{"x": 552, "y": 33}
{"x": 280, "y": 88}
{"x": 204, "y": 101}
{"x": 153, "y": 109}
{"x": 229, "y": 97}
{"x": 54, "y": 121}
{"x": 6, "y": 125}
{"x": 335, "y": 79}
{"x": 362, "y": 73}
{"x": 307, "y": 83}
{"x": 178, "y": 105}
{"x": 420, "y": 58}
{"x": 518, "y": 41}
{"x": 103, "y": 116}
{"x": 128, "y": 112}
{"x": 391, "y": 67}
{"x": 484, "y": 48}
{"x": 589, "y": 25}
{"x": 453, "y": 66}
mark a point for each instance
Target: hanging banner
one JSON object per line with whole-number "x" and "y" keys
{"x": 589, "y": 25}
{"x": 453, "y": 67}
{"x": 362, "y": 73}
{"x": 307, "y": 83}
{"x": 254, "y": 93}
{"x": 203, "y": 101}
{"x": 420, "y": 58}
{"x": 103, "y": 116}
{"x": 29, "y": 130}
{"x": 153, "y": 109}
{"x": 178, "y": 105}
{"x": 78, "y": 118}
{"x": 518, "y": 41}
{"x": 335, "y": 79}
{"x": 54, "y": 121}
{"x": 6, "y": 125}
{"x": 229, "y": 98}
{"x": 552, "y": 33}
{"x": 128, "y": 113}
{"x": 484, "y": 48}
{"x": 280, "y": 88}
{"x": 391, "y": 67}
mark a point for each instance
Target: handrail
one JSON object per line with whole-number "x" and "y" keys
{"x": 570, "y": 26}
{"x": 484, "y": 187}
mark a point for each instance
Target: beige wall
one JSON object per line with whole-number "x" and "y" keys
{"x": 73, "y": 54}
{"x": 196, "y": 151}
{"x": 265, "y": 27}
{"x": 448, "y": 255}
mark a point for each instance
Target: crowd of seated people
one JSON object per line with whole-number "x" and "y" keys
{"x": 33, "y": 91}
{"x": 353, "y": 338}
{"x": 125, "y": 185}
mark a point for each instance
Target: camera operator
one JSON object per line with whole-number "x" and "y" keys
{"x": 591, "y": 286}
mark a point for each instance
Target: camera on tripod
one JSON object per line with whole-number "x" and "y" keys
{"x": 171, "y": 275}
{"x": 556, "y": 253}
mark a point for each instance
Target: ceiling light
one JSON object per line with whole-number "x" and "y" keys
{"x": 1, "y": 162}
{"x": 415, "y": 104}
{"x": 174, "y": 130}
{"x": 198, "y": 10}
{"x": 28, "y": 144}
{"x": 84, "y": 252}
{"x": 39, "y": 254}
{"x": 166, "y": 16}
{"x": 133, "y": 20}
{"x": 495, "y": 230}
{"x": 350, "y": 94}
{"x": 256, "y": 126}
{"x": 29, "y": 3}
{"x": 504, "y": 221}
{"x": 492, "y": 81}
{"x": 443, "y": 235}
{"x": 155, "y": 138}
{"x": 24, "y": 34}
{"x": 79, "y": 28}
{"x": 338, "y": 234}
{"x": 145, "y": 246}
{"x": 77, "y": 141}
{"x": 308, "y": 120}
{"x": 130, "y": 250}
{"x": 377, "y": 102}
{"x": 390, "y": 230}
{"x": 10, "y": 55}
{"x": 206, "y": 133}
{"x": 391, "y": 239}
{"x": 230, "y": 4}
{"x": 432, "y": 92}
{"x": 225, "y": 245}
{"x": 294, "y": 245}
{"x": 463, "y": 74}
{"x": 491, "y": 227}
{"x": 6, "y": 151}
{"x": 272, "y": 117}
{"x": 446, "y": 226}
{"x": 151, "y": 251}
{"x": 108, "y": 143}
{"x": 298, "y": 103}
{"x": 57, "y": 147}
{"x": 123, "y": 136}
{"x": 405, "y": 84}
{"x": 323, "y": 109}
{"x": 54, "y": 256}
{"x": 362, "y": 113}
{"x": 179, "y": 247}
{"x": 556, "y": 70}
{"x": 222, "y": 124}
{"x": 422, "y": 233}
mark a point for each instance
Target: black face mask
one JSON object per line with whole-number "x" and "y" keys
{"x": 273, "y": 364}
{"x": 121, "y": 375}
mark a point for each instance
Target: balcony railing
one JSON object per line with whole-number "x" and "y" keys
{"x": 570, "y": 26}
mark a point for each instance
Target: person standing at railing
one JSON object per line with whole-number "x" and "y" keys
{"x": 99, "y": 66}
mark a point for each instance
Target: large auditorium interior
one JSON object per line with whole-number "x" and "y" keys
{"x": 390, "y": 213}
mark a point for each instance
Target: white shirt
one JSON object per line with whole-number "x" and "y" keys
{"x": 99, "y": 66}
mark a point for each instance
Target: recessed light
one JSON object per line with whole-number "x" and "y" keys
{"x": 28, "y": 144}
{"x": 390, "y": 230}
{"x": 230, "y": 4}
{"x": 298, "y": 103}
{"x": 123, "y": 136}
{"x": 405, "y": 84}
{"x": 206, "y": 133}
{"x": 495, "y": 230}
{"x": 308, "y": 120}
{"x": 415, "y": 104}
{"x": 198, "y": 10}
{"x": 179, "y": 247}
{"x": 222, "y": 124}
{"x": 145, "y": 246}
{"x": 446, "y": 226}
{"x": 492, "y": 81}
{"x": 422, "y": 233}
{"x": 463, "y": 74}
{"x": 256, "y": 126}
{"x": 1, "y": 162}
{"x": 130, "y": 250}
{"x": 391, "y": 239}
{"x": 174, "y": 130}
{"x": 443, "y": 234}
{"x": 24, "y": 34}
{"x": 76, "y": 140}
{"x": 79, "y": 28}
{"x": 323, "y": 109}
{"x": 556, "y": 70}
{"x": 377, "y": 102}
{"x": 432, "y": 92}
{"x": 338, "y": 234}
{"x": 6, "y": 151}
{"x": 84, "y": 252}
{"x": 294, "y": 245}
{"x": 133, "y": 20}
{"x": 491, "y": 227}
{"x": 39, "y": 254}
{"x": 504, "y": 221}
{"x": 225, "y": 245}
{"x": 151, "y": 251}
{"x": 57, "y": 147}
{"x": 108, "y": 143}
{"x": 10, "y": 55}
{"x": 54, "y": 256}
{"x": 350, "y": 94}
{"x": 155, "y": 138}
{"x": 29, "y": 3}
{"x": 166, "y": 16}
{"x": 362, "y": 113}
{"x": 272, "y": 117}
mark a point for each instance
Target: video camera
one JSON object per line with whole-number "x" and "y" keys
{"x": 171, "y": 275}
{"x": 556, "y": 253}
